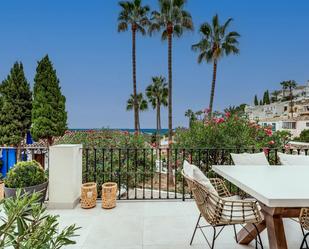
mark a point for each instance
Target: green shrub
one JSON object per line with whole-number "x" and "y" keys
{"x": 26, "y": 224}
{"x": 25, "y": 174}
{"x": 303, "y": 137}
{"x": 229, "y": 132}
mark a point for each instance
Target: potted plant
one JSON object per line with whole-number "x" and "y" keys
{"x": 27, "y": 176}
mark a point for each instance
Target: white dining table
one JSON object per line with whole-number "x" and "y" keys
{"x": 281, "y": 191}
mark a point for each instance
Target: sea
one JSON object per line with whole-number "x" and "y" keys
{"x": 144, "y": 131}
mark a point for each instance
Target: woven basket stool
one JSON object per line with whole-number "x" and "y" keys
{"x": 109, "y": 195}
{"x": 1, "y": 190}
{"x": 88, "y": 195}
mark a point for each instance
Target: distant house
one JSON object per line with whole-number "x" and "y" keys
{"x": 37, "y": 151}
{"x": 281, "y": 115}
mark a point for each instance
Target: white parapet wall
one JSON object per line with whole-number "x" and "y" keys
{"x": 65, "y": 175}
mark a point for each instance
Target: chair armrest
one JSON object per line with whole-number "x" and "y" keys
{"x": 220, "y": 187}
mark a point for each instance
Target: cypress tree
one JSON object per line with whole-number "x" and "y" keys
{"x": 261, "y": 102}
{"x": 256, "y": 101}
{"x": 49, "y": 117}
{"x": 267, "y": 98}
{"x": 15, "y": 107}
{"x": 264, "y": 98}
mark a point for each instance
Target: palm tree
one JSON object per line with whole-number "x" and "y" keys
{"x": 172, "y": 20}
{"x": 142, "y": 105}
{"x": 199, "y": 114}
{"x": 133, "y": 15}
{"x": 216, "y": 42}
{"x": 157, "y": 94}
{"x": 289, "y": 85}
{"x": 191, "y": 115}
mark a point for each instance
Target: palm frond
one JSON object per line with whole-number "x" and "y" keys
{"x": 215, "y": 41}
{"x": 132, "y": 13}
{"x": 122, "y": 26}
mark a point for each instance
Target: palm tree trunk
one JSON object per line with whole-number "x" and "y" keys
{"x": 170, "y": 88}
{"x": 136, "y": 114}
{"x": 213, "y": 86}
{"x": 158, "y": 123}
{"x": 291, "y": 102}
{"x": 170, "y": 102}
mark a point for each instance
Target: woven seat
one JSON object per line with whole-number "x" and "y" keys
{"x": 219, "y": 211}
{"x": 304, "y": 222}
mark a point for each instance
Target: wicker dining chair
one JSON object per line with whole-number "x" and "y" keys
{"x": 220, "y": 187}
{"x": 221, "y": 212}
{"x": 304, "y": 222}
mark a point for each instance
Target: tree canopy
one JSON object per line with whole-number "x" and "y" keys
{"x": 49, "y": 117}
{"x": 15, "y": 107}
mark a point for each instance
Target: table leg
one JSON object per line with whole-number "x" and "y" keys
{"x": 249, "y": 233}
{"x": 275, "y": 227}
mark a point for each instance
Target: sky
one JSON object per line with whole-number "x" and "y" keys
{"x": 93, "y": 60}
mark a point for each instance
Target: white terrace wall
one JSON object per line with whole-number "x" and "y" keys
{"x": 65, "y": 175}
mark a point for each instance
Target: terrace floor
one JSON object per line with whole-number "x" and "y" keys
{"x": 151, "y": 225}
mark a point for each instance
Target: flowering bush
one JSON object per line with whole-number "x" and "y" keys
{"x": 229, "y": 132}
{"x": 104, "y": 139}
{"x": 112, "y": 155}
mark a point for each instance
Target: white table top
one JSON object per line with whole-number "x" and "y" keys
{"x": 275, "y": 186}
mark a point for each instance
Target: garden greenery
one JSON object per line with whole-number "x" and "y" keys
{"x": 25, "y": 174}
{"x": 303, "y": 137}
{"x": 113, "y": 155}
{"x": 25, "y": 224}
{"x": 229, "y": 132}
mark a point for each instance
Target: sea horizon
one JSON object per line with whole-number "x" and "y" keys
{"x": 130, "y": 130}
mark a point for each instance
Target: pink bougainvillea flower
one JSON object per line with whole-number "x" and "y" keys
{"x": 268, "y": 132}
{"x": 287, "y": 146}
{"x": 272, "y": 142}
{"x": 219, "y": 120}
{"x": 228, "y": 114}
{"x": 266, "y": 151}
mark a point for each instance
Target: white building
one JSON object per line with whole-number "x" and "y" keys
{"x": 281, "y": 116}
{"x": 295, "y": 126}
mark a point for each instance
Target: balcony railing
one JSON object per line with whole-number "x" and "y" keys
{"x": 154, "y": 174}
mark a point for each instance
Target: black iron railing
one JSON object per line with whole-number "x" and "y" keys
{"x": 146, "y": 174}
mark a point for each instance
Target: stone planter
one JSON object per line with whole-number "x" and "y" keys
{"x": 41, "y": 188}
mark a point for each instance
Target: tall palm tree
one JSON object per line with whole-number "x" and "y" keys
{"x": 157, "y": 94}
{"x": 142, "y": 105}
{"x": 172, "y": 20}
{"x": 133, "y": 15}
{"x": 216, "y": 42}
{"x": 289, "y": 85}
